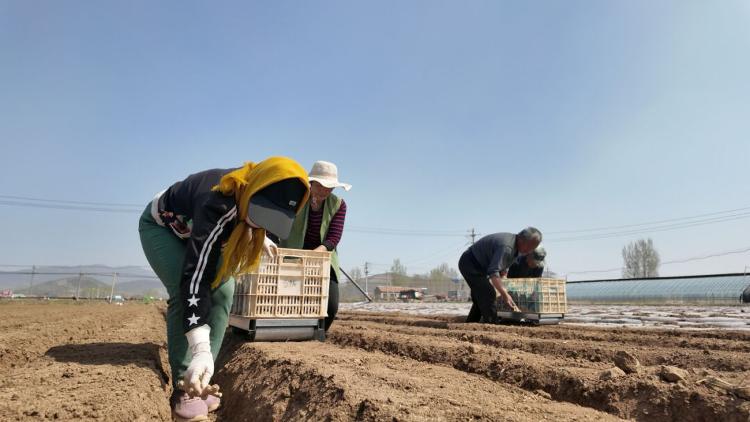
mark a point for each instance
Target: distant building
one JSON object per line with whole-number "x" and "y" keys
{"x": 412, "y": 294}
{"x": 374, "y": 281}
{"x": 386, "y": 293}
{"x": 378, "y": 286}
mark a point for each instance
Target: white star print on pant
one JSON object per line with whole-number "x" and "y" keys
{"x": 193, "y": 301}
{"x": 193, "y": 320}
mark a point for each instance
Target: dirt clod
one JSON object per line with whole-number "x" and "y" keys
{"x": 544, "y": 394}
{"x": 673, "y": 374}
{"x": 741, "y": 391}
{"x": 627, "y": 362}
{"x": 611, "y": 373}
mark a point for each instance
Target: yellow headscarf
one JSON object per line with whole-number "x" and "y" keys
{"x": 245, "y": 244}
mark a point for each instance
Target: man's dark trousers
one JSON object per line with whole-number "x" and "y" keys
{"x": 482, "y": 292}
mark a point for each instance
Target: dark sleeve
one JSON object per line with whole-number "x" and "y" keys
{"x": 536, "y": 272}
{"x": 500, "y": 260}
{"x": 275, "y": 239}
{"x": 336, "y": 228}
{"x": 212, "y": 224}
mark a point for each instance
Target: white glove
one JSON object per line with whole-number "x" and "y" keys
{"x": 201, "y": 367}
{"x": 269, "y": 247}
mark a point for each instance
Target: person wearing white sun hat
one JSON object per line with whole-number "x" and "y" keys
{"x": 530, "y": 265}
{"x": 320, "y": 224}
{"x": 326, "y": 174}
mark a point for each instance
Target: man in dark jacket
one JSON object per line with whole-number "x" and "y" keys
{"x": 485, "y": 265}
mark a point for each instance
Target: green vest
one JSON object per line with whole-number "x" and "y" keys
{"x": 297, "y": 236}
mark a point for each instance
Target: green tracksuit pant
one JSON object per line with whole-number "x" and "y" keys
{"x": 165, "y": 253}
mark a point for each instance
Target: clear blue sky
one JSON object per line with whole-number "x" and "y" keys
{"x": 443, "y": 115}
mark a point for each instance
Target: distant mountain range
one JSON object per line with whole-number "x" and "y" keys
{"x": 62, "y": 281}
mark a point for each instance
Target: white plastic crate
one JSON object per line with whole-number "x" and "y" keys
{"x": 294, "y": 284}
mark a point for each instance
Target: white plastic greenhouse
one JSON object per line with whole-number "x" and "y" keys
{"x": 716, "y": 289}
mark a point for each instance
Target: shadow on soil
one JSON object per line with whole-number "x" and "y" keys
{"x": 147, "y": 355}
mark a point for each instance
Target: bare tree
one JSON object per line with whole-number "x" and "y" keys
{"x": 356, "y": 274}
{"x": 640, "y": 259}
{"x": 441, "y": 278}
{"x": 398, "y": 267}
{"x": 397, "y": 274}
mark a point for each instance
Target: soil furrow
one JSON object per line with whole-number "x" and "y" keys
{"x": 643, "y": 396}
{"x": 603, "y": 351}
{"x": 318, "y": 381}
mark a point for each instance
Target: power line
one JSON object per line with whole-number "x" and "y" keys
{"x": 18, "y": 201}
{"x": 673, "y": 224}
{"x": 70, "y": 207}
{"x": 648, "y": 223}
{"x": 440, "y": 253}
{"x": 145, "y": 267}
{"x": 404, "y": 232}
{"x": 354, "y": 229}
{"x": 675, "y": 261}
{"x": 656, "y": 229}
{"x": 732, "y": 252}
{"x": 119, "y": 274}
{"x": 63, "y": 201}
{"x": 586, "y": 234}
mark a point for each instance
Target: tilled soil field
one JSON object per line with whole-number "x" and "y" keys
{"x": 74, "y": 361}
{"x": 97, "y": 361}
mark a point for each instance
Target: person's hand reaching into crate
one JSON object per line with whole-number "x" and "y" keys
{"x": 508, "y": 300}
{"x": 497, "y": 282}
{"x": 270, "y": 248}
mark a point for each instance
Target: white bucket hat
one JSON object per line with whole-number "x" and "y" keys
{"x": 327, "y": 174}
{"x": 538, "y": 255}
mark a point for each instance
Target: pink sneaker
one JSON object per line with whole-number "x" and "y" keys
{"x": 212, "y": 402}
{"x": 188, "y": 409}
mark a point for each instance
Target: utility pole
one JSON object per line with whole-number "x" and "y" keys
{"x": 112, "y": 292}
{"x": 367, "y": 272}
{"x": 78, "y": 289}
{"x": 473, "y": 235}
{"x": 31, "y": 281}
